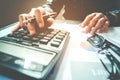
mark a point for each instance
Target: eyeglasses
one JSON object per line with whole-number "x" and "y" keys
{"x": 109, "y": 50}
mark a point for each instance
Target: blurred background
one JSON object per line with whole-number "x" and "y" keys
{"x": 10, "y": 9}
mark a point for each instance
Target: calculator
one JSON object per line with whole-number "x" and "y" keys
{"x": 32, "y": 56}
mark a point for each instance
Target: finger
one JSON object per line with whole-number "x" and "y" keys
{"x": 94, "y": 21}
{"x": 16, "y": 28}
{"x": 50, "y": 21}
{"x": 99, "y": 25}
{"x": 32, "y": 12}
{"x": 105, "y": 26}
{"x": 22, "y": 17}
{"x": 87, "y": 20}
{"x": 31, "y": 29}
{"x": 39, "y": 18}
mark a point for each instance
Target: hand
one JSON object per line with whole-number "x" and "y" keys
{"x": 95, "y": 22}
{"x": 36, "y": 13}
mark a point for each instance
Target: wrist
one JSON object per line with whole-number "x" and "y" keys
{"x": 112, "y": 17}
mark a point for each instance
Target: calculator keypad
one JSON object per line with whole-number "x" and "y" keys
{"x": 50, "y": 37}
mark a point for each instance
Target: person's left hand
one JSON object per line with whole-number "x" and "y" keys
{"x": 95, "y": 22}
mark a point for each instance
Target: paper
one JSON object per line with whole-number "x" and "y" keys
{"x": 112, "y": 35}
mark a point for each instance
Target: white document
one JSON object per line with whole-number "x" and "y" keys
{"x": 113, "y": 35}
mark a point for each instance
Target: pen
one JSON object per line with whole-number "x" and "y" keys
{"x": 31, "y": 20}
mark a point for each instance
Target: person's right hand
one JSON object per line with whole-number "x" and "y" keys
{"x": 36, "y": 13}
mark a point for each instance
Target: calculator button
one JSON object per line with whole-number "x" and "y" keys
{"x": 55, "y": 43}
{"x": 43, "y": 41}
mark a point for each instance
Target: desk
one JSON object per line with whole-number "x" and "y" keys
{"x": 80, "y": 60}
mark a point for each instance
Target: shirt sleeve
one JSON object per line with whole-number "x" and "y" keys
{"x": 54, "y": 6}
{"x": 114, "y": 17}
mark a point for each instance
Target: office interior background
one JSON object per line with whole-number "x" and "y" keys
{"x": 9, "y": 10}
